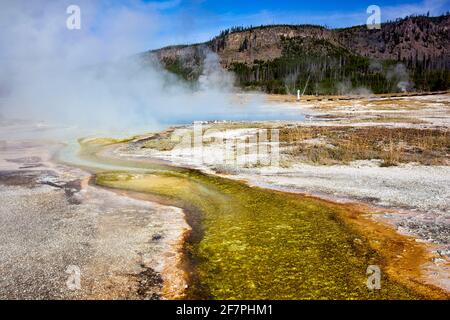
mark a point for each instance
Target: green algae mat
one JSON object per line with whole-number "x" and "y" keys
{"x": 253, "y": 243}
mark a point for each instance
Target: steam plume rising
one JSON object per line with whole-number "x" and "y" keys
{"x": 91, "y": 77}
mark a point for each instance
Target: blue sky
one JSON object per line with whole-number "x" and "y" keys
{"x": 312, "y": 9}
{"x": 114, "y": 28}
{"x": 198, "y": 20}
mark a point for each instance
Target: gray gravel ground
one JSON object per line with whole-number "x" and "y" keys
{"x": 420, "y": 193}
{"x": 51, "y": 222}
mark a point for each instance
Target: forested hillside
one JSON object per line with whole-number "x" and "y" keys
{"x": 411, "y": 54}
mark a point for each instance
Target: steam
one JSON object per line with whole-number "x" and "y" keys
{"x": 213, "y": 76}
{"x": 400, "y": 75}
{"x": 376, "y": 66}
{"x": 397, "y": 74}
{"x": 289, "y": 82}
{"x": 92, "y": 78}
{"x": 346, "y": 88}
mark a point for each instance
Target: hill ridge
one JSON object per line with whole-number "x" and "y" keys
{"x": 276, "y": 58}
